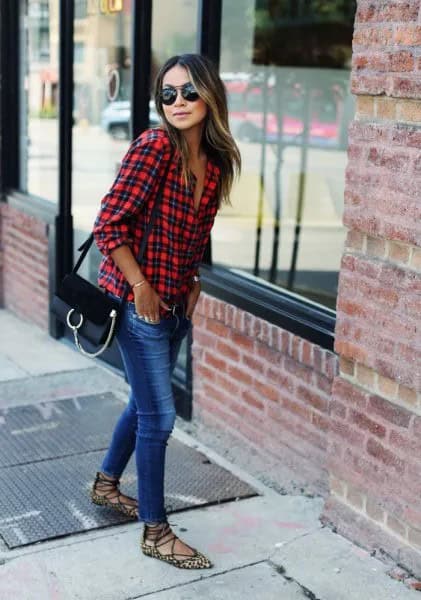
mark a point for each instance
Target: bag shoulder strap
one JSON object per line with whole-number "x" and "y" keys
{"x": 84, "y": 248}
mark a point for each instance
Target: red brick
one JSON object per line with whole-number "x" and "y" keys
{"x": 268, "y": 354}
{"x": 240, "y": 375}
{"x": 286, "y": 341}
{"x": 416, "y": 425}
{"x": 351, "y": 351}
{"x": 229, "y": 317}
{"x": 385, "y": 456}
{"x": 407, "y": 35}
{"x": 404, "y": 87}
{"x": 301, "y": 371}
{"x": 363, "y": 422}
{"x": 405, "y": 135}
{"x": 337, "y": 408}
{"x": 281, "y": 379}
{"x": 320, "y": 421}
{"x": 307, "y": 353}
{"x": 202, "y": 371}
{"x": 249, "y": 324}
{"x": 266, "y": 390}
{"x": 254, "y": 363}
{"x": 324, "y": 384}
{"x": 227, "y": 350}
{"x": 355, "y": 239}
{"x": 402, "y": 61}
{"x": 202, "y": 338}
{"x": 365, "y": 468}
{"x": 276, "y": 338}
{"x": 345, "y": 432}
{"x": 252, "y": 398}
{"x": 389, "y": 411}
{"x": 264, "y": 334}
{"x": 218, "y": 328}
{"x": 239, "y": 320}
{"x": 296, "y": 348}
{"x": 318, "y": 358}
{"x": 346, "y": 391}
{"x": 242, "y": 341}
{"x": 366, "y": 133}
{"x": 374, "y": 84}
{"x": 216, "y": 362}
{"x": 227, "y": 384}
{"x": 331, "y": 368}
{"x": 312, "y": 398}
{"x": 296, "y": 408}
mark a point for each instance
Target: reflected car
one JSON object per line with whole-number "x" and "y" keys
{"x": 326, "y": 120}
{"x": 115, "y": 119}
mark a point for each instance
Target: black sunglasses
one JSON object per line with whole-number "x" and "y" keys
{"x": 168, "y": 94}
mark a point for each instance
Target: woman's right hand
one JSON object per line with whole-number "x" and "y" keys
{"x": 147, "y": 303}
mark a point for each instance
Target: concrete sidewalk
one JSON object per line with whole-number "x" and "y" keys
{"x": 267, "y": 547}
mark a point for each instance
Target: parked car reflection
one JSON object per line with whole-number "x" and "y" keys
{"x": 115, "y": 119}
{"x": 315, "y": 109}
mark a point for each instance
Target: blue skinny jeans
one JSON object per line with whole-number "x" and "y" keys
{"x": 149, "y": 354}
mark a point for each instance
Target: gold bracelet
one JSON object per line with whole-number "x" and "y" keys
{"x": 139, "y": 283}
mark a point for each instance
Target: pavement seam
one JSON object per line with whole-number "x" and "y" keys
{"x": 198, "y": 579}
{"x": 282, "y": 571}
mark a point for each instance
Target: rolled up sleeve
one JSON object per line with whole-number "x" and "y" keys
{"x": 127, "y": 196}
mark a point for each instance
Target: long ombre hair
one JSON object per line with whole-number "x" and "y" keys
{"x": 217, "y": 141}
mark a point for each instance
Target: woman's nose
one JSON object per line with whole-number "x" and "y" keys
{"x": 179, "y": 99}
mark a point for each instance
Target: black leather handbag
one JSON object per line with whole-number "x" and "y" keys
{"x": 84, "y": 307}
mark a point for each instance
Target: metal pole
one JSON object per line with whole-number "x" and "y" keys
{"x": 64, "y": 221}
{"x": 9, "y": 95}
{"x": 209, "y": 44}
{"x": 141, "y": 66}
{"x": 307, "y": 89}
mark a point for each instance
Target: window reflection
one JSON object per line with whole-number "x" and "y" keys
{"x": 39, "y": 138}
{"x": 101, "y": 130}
{"x": 290, "y": 118}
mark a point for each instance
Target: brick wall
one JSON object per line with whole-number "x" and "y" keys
{"x": 24, "y": 251}
{"x": 374, "y": 447}
{"x": 266, "y": 386}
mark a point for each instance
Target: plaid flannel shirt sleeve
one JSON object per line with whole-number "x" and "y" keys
{"x": 131, "y": 189}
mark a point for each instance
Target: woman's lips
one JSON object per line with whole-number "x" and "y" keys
{"x": 181, "y": 114}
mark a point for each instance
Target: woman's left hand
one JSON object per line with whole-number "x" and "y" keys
{"x": 192, "y": 299}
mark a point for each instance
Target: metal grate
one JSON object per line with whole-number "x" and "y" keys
{"x": 49, "y": 456}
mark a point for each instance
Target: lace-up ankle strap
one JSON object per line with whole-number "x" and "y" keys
{"x": 156, "y": 533}
{"x": 107, "y": 482}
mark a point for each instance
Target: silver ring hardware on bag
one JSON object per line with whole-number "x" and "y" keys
{"x": 113, "y": 317}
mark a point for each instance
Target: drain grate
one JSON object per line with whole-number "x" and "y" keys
{"x": 45, "y": 485}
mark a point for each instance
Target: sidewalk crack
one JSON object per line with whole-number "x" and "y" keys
{"x": 201, "y": 578}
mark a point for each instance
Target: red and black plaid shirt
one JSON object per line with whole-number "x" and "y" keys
{"x": 179, "y": 236}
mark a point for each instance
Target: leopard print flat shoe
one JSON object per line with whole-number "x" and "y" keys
{"x": 160, "y": 535}
{"x": 112, "y": 497}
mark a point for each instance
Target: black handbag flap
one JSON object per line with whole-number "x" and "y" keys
{"x": 87, "y": 299}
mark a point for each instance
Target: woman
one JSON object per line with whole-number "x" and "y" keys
{"x": 195, "y": 144}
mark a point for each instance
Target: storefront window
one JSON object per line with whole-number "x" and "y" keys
{"x": 101, "y": 131}
{"x": 286, "y": 67}
{"x": 39, "y": 99}
{"x": 174, "y": 30}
